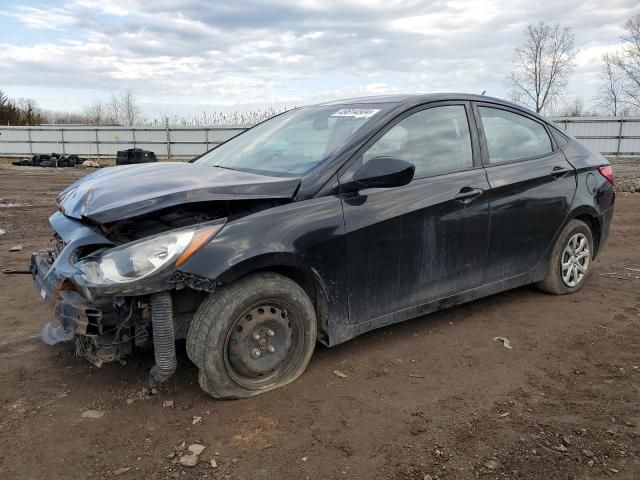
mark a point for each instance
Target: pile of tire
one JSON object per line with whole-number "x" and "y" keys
{"x": 53, "y": 160}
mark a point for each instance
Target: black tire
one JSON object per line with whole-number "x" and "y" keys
{"x": 553, "y": 282}
{"x": 222, "y": 336}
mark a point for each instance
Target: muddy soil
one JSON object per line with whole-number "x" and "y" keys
{"x": 434, "y": 397}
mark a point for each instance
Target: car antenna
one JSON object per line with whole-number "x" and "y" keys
{"x": 483, "y": 92}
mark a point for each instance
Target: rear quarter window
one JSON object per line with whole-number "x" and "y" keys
{"x": 511, "y": 136}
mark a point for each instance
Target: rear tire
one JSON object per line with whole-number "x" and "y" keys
{"x": 252, "y": 336}
{"x": 570, "y": 261}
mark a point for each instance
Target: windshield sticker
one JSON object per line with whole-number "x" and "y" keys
{"x": 356, "y": 112}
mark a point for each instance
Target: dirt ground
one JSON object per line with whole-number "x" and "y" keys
{"x": 431, "y": 398}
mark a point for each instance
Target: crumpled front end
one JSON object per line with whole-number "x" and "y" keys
{"x": 114, "y": 273}
{"x": 105, "y": 327}
{"x": 109, "y": 319}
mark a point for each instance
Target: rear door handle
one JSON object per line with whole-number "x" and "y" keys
{"x": 467, "y": 194}
{"x": 560, "y": 172}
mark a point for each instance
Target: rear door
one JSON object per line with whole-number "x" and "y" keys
{"x": 423, "y": 241}
{"x": 532, "y": 187}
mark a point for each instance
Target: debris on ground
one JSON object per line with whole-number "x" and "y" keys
{"x": 196, "y": 420}
{"x": 213, "y": 463}
{"x": 93, "y": 414}
{"x": 339, "y": 374}
{"x": 55, "y": 160}
{"x": 196, "y": 448}
{"x": 492, "y": 464}
{"x": 90, "y": 164}
{"x": 2, "y": 232}
{"x": 505, "y": 342}
{"x": 167, "y": 404}
{"x": 52, "y": 334}
{"x": 588, "y": 453}
{"x": 15, "y": 248}
{"x": 190, "y": 460}
{"x": 122, "y": 470}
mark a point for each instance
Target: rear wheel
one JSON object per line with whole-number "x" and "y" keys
{"x": 570, "y": 261}
{"x": 252, "y": 336}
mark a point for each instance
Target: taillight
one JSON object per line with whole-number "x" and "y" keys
{"x": 607, "y": 172}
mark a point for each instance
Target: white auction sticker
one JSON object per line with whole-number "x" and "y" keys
{"x": 356, "y": 112}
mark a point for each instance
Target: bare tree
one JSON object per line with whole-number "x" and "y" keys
{"x": 124, "y": 109}
{"x": 610, "y": 88}
{"x": 114, "y": 110}
{"x": 129, "y": 107}
{"x": 543, "y": 65}
{"x": 30, "y": 112}
{"x": 95, "y": 114}
{"x": 628, "y": 61}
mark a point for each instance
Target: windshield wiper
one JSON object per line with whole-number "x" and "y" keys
{"x": 226, "y": 168}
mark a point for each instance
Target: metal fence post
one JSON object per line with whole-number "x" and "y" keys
{"x": 619, "y": 137}
{"x": 133, "y": 133}
{"x": 206, "y": 136}
{"x": 168, "y": 142}
{"x": 30, "y": 143}
{"x": 62, "y": 141}
{"x": 97, "y": 145}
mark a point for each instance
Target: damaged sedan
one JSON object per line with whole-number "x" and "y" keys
{"x": 320, "y": 224}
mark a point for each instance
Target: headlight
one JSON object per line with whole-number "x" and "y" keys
{"x": 137, "y": 260}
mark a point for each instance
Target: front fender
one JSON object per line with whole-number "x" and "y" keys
{"x": 307, "y": 235}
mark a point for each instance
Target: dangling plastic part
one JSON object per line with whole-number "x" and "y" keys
{"x": 52, "y": 334}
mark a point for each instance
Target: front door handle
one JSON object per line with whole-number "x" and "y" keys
{"x": 559, "y": 172}
{"x": 467, "y": 194}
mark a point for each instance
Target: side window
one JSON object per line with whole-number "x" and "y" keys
{"x": 436, "y": 140}
{"x": 511, "y": 136}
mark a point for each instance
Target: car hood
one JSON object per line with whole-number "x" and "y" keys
{"x": 116, "y": 193}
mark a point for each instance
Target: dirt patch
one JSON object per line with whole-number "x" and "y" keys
{"x": 433, "y": 396}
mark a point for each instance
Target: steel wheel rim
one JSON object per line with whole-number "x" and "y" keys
{"x": 575, "y": 260}
{"x": 265, "y": 324}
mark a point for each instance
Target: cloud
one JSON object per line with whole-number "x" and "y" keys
{"x": 198, "y": 51}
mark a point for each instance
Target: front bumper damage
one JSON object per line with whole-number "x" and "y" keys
{"x": 108, "y": 322}
{"x": 105, "y": 328}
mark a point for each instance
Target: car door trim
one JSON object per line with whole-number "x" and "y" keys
{"x": 484, "y": 149}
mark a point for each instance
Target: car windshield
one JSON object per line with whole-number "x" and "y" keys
{"x": 294, "y": 142}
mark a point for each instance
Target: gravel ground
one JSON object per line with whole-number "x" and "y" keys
{"x": 627, "y": 174}
{"x": 433, "y": 398}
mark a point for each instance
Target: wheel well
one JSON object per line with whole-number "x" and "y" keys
{"x": 313, "y": 289}
{"x": 594, "y": 226}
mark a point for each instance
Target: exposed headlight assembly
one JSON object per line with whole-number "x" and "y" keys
{"x": 143, "y": 258}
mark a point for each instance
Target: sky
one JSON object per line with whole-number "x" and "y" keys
{"x": 190, "y": 56}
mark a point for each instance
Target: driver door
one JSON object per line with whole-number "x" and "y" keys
{"x": 407, "y": 246}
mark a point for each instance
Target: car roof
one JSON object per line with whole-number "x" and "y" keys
{"x": 419, "y": 98}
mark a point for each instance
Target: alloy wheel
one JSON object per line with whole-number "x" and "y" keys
{"x": 575, "y": 260}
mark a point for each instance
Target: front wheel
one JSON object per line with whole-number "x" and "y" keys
{"x": 252, "y": 336}
{"x": 570, "y": 261}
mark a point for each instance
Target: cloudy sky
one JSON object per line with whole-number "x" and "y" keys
{"x": 195, "y": 55}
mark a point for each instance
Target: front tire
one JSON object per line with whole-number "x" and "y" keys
{"x": 252, "y": 336}
{"x": 570, "y": 261}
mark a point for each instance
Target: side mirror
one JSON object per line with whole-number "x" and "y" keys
{"x": 382, "y": 172}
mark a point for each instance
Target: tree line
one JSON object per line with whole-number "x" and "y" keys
{"x": 121, "y": 109}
